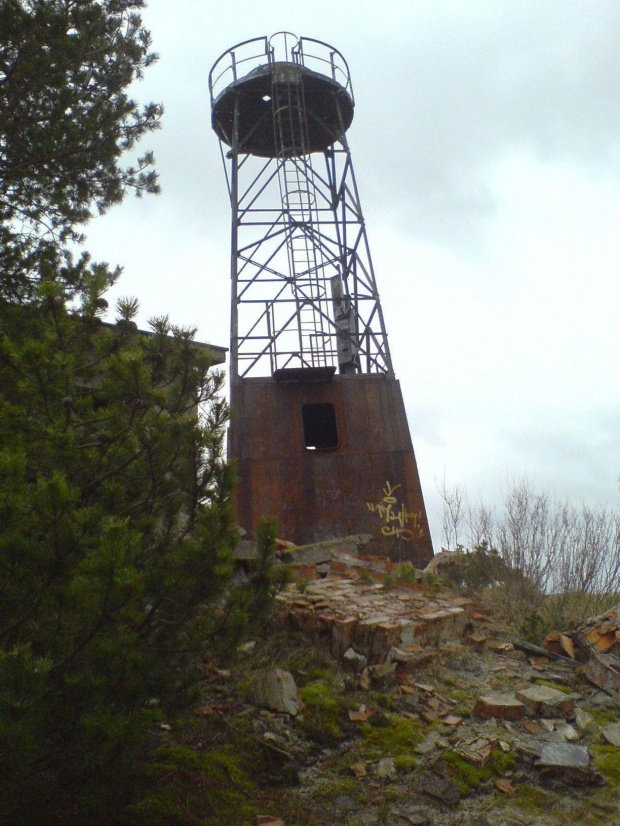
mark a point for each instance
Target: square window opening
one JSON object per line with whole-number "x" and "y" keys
{"x": 320, "y": 428}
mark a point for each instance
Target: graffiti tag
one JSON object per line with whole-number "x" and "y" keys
{"x": 396, "y": 519}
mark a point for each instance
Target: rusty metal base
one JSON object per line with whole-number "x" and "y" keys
{"x": 369, "y": 483}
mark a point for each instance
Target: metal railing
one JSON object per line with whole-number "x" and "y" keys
{"x": 282, "y": 47}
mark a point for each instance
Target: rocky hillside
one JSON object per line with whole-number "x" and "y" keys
{"x": 373, "y": 699}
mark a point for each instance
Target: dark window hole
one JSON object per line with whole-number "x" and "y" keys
{"x": 320, "y": 428}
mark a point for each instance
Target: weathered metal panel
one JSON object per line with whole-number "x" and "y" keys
{"x": 368, "y": 484}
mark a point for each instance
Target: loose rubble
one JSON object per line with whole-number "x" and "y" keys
{"x": 431, "y": 713}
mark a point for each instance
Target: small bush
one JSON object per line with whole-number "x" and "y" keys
{"x": 407, "y": 573}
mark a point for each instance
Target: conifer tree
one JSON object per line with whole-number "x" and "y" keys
{"x": 115, "y": 516}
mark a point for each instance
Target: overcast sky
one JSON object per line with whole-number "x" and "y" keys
{"x": 486, "y": 145}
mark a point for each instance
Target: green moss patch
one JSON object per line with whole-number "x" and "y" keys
{"x": 531, "y": 800}
{"x": 405, "y": 763}
{"x": 396, "y": 737}
{"x": 549, "y": 684}
{"x": 602, "y": 717}
{"x": 201, "y": 788}
{"x": 324, "y": 715}
{"x": 468, "y": 777}
{"x": 607, "y": 761}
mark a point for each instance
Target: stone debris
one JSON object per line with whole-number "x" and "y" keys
{"x": 499, "y": 706}
{"x": 568, "y": 762}
{"x": 543, "y": 700}
{"x": 559, "y": 644}
{"x": 427, "y": 745}
{"x": 568, "y": 732}
{"x": 354, "y": 661}
{"x": 385, "y": 768}
{"x": 596, "y": 644}
{"x": 275, "y": 689}
{"x": 604, "y": 632}
{"x": 440, "y": 789}
{"x": 361, "y": 715}
{"x": 443, "y": 559}
{"x": 414, "y": 652}
{"x": 584, "y": 721}
{"x": 611, "y": 733}
{"x": 504, "y": 786}
{"x": 414, "y": 815}
{"x": 477, "y": 641}
{"x": 377, "y": 623}
{"x": 359, "y": 769}
{"x": 604, "y": 671}
{"x": 478, "y": 750}
{"x": 319, "y": 553}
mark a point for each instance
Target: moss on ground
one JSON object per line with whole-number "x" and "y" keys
{"x": 383, "y": 701}
{"x": 549, "y": 684}
{"x": 463, "y": 700}
{"x": 607, "y": 761}
{"x": 324, "y": 715}
{"x": 468, "y": 777}
{"x": 202, "y": 788}
{"x": 531, "y": 800}
{"x": 395, "y": 737}
{"x": 405, "y": 763}
{"x": 602, "y": 717}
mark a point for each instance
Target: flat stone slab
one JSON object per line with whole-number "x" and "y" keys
{"x": 439, "y": 788}
{"x": 319, "y": 552}
{"x": 500, "y": 706}
{"x": 568, "y": 732}
{"x": 563, "y": 756}
{"x": 612, "y": 734}
{"x": 584, "y": 721}
{"x": 542, "y": 700}
{"x": 568, "y": 763}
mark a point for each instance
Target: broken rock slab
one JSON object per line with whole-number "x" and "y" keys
{"x": 322, "y": 552}
{"x": 499, "y": 706}
{"x": 567, "y": 762}
{"x": 477, "y": 750}
{"x": 584, "y": 721}
{"x": 439, "y": 788}
{"x": 414, "y": 815}
{"x": 353, "y": 661}
{"x": 612, "y": 734}
{"x": 276, "y": 690}
{"x": 540, "y": 700}
{"x": 568, "y": 732}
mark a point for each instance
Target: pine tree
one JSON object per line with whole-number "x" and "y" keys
{"x": 114, "y": 496}
{"x": 65, "y": 121}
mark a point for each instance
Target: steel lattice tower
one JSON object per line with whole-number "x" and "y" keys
{"x": 304, "y": 291}
{"x": 305, "y": 306}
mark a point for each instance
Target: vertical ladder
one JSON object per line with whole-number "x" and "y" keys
{"x": 306, "y": 263}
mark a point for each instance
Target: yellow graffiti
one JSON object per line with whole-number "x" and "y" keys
{"x": 397, "y": 520}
